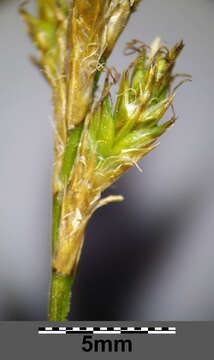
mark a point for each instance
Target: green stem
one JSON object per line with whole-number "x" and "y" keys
{"x": 60, "y": 289}
{"x": 56, "y": 214}
{"x": 73, "y": 139}
{"x": 59, "y": 303}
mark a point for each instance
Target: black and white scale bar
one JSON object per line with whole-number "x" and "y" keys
{"x": 106, "y": 330}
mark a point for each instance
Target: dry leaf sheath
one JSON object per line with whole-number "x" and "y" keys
{"x": 94, "y": 141}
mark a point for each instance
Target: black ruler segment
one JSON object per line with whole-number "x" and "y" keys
{"x": 102, "y": 330}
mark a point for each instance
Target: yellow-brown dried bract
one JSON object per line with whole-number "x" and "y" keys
{"x": 93, "y": 29}
{"x": 85, "y": 47}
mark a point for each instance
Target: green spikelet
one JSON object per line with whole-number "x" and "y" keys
{"x": 137, "y": 117}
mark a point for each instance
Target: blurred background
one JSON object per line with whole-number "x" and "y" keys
{"x": 150, "y": 257}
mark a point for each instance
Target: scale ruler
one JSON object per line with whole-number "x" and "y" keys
{"x": 106, "y": 330}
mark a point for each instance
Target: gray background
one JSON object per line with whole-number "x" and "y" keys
{"x": 148, "y": 258}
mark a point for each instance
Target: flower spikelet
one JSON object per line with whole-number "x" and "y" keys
{"x": 95, "y": 141}
{"x": 114, "y": 139}
{"x": 123, "y": 135}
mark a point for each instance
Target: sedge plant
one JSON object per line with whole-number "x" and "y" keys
{"x": 95, "y": 139}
